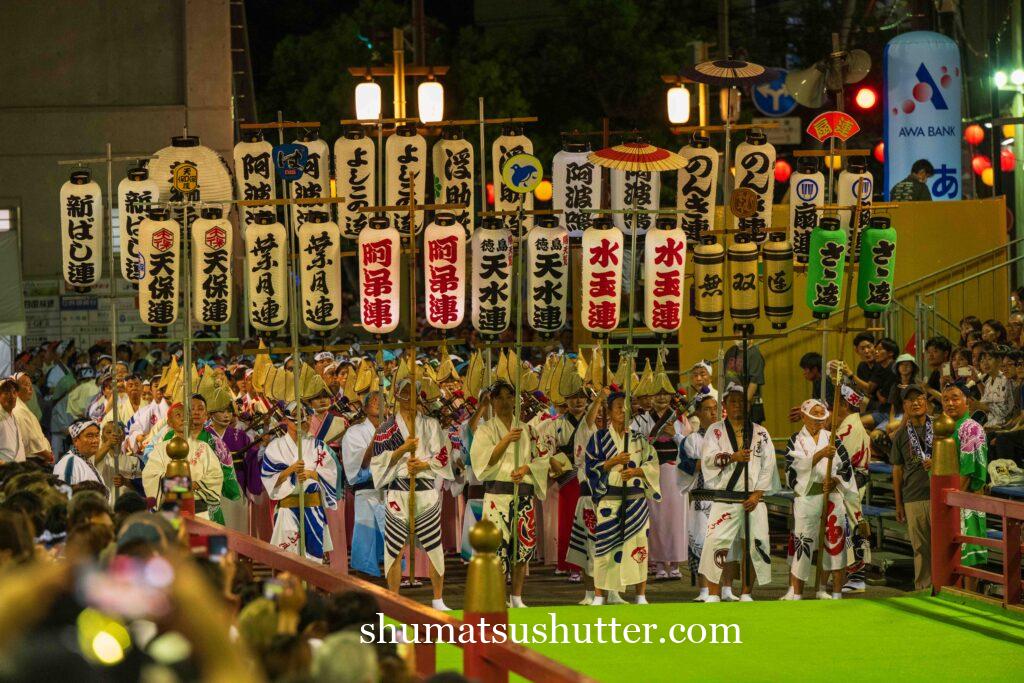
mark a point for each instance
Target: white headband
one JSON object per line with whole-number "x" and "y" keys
{"x": 807, "y": 406}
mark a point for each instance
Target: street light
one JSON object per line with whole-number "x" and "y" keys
{"x": 430, "y": 101}
{"x": 678, "y": 98}
{"x": 1017, "y": 76}
{"x": 368, "y": 100}
{"x": 1000, "y": 79}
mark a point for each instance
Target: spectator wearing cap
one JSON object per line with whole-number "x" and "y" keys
{"x": 911, "y": 458}
{"x": 12, "y": 448}
{"x": 35, "y": 442}
{"x": 78, "y": 464}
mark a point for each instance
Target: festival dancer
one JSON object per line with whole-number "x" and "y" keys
{"x": 691, "y": 478}
{"x": 356, "y": 453}
{"x": 284, "y": 475}
{"x": 857, "y": 442}
{"x": 77, "y": 464}
{"x": 327, "y": 426}
{"x": 398, "y": 458}
{"x": 808, "y": 455}
{"x": 621, "y": 478}
{"x": 494, "y": 463}
{"x": 229, "y": 432}
{"x": 665, "y": 432}
{"x": 733, "y": 449}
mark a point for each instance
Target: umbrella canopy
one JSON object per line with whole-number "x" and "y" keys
{"x": 637, "y": 156}
{"x": 729, "y": 72}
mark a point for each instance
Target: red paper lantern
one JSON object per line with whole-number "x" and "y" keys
{"x": 782, "y": 170}
{"x": 974, "y": 134}
{"x": 490, "y": 194}
{"x": 980, "y": 162}
{"x": 879, "y": 152}
{"x": 1007, "y": 160}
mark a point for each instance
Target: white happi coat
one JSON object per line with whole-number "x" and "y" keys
{"x": 806, "y": 481}
{"x": 689, "y": 477}
{"x": 74, "y": 469}
{"x": 393, "y": 478}
{"x": 581, "y": 540}
{"x": 723, "y": 540}
{"x": 620, "y": 543}
{"x": 203, "y": 465}
{"x": 498, "y": 506}
{"x": 280, "y": 454}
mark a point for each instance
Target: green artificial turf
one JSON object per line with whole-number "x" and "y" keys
{"x": 914, "y": 638}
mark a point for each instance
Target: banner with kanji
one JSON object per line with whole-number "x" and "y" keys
{"x": 355, "y": 173}
{"x": 547, "y": 277}
{"x": 380, "y": 260}
{"x": 212, "y": 245}
{"x": 444, "y": 274}
{"x": 664, "y": 269}
{"x": 160, "y": 249}
{"x": 320, "y": 272}
{"x": 81, "y": 230}
{"x": 601, "y": 278}
{"x": 491, "y": 282}
{"x": 266, "y": 247}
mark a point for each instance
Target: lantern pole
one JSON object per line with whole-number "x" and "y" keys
{"x": 113, "y": 316}
{"x": 517, "y": 282}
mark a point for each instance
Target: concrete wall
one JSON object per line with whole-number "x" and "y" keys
{"x": 77, "y": 74}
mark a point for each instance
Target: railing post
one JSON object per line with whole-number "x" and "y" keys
{"x": 1011, "y": 561}
{"x": 485, "y": 602}
{"x": 945, "y": 475}
{"x": 919, "y": 339}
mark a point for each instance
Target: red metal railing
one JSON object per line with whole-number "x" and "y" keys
{"x": 485, "y": 662}
{"x": 946, "y": 502}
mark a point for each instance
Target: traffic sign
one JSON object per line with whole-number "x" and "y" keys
{"x": 772, "y": 98}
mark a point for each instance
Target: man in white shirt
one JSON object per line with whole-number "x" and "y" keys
{"x": 12, "y": 449}
{"x": 35, "y": 442}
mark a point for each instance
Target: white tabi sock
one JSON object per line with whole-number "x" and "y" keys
{"x": 712, "y": 598}
{"x": 440, "y": 606}
{"x": 588, "y": 598}
{"x": 746, "y": 597}
{"x": 837, "y": 596}
{"x": 517, "y": 601}
{"x": 727, "y": 595}
{"x": 598, "y": 601}
{"x": 642, "y": 600}
{"x": 615, "y": 599}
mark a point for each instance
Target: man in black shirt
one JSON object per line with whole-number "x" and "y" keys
{"x": 883, "y": 379}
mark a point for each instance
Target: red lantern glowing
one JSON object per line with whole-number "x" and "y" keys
{"x": 879, "y": 152}
{"x": 1007, "y": 160}
{"x": 782, "y": 170}
{"x": 974, "y": 134}
{"x": 980, "y": 162}
{"x": 490, "y": 194}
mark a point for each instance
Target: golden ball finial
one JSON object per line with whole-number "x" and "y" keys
{"x": 177, "y": 448}
{"x": 943, "y": 426}
{"x": 484, "y": 537}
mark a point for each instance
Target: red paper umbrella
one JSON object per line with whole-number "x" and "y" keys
{"x": 637, "y": 156}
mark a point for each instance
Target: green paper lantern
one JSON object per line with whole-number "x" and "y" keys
{"x": 877, "y": 267}
{"x": 826, "y": 262}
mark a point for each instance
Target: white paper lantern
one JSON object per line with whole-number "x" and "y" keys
{"x": 256, "y": 178}
{"x": 355, "y": 173}
{"x": 491, "y": 288}
{"x": 267, "y": 280}
{"x": 430, "y": 101}
{"x": 696, "y": 184}
{"x": 664, "y": 269}
{"x": 135, "y": 194}
{"x": 368, "y": 101}
{"x": 380, "y": 260}
{"x": 444, "y": 273}
{"x": 213, "y": 241}
{"x": 647, "y": 187}
{"x": 547, "y": 276}
{"x": 81, "y": 230}
{"x": 678, "y": 101}
{"x": 405, "y": 154}
{"x": 806, "y": 195}
{"x": 755, "y": 170}
{"x": 575, "y": 186}
{"x": 601, "y": 278}
{"x": 214, "y": 176}
{"x": 454, "y": 175}
{"x": 504, "y": 147}
{"x": 315, "y": 180}
{"x": 320, "y": 272}
{"x": 160, "y": 249}
{"x": 853, "y": 184}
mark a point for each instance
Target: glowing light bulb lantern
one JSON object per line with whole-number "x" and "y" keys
{"x": 678, "y": 100}
{"x": 1017, "y": 77}
{"x": 430, "y": 101}
{"x": 368, "y": 101}
{"x": 974, "y": 134}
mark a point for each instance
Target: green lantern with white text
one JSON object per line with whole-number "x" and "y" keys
{"x": 877, "y": 267}
{"x": 826, "y": 262}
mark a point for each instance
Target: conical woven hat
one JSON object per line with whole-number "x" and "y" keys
{"x": 646, "y": 384}
{"x": 260, "y": 368}
{"x": 475, "y": 375}
{"x": 661, "y": 383}
{"x": 570, "y": 383}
